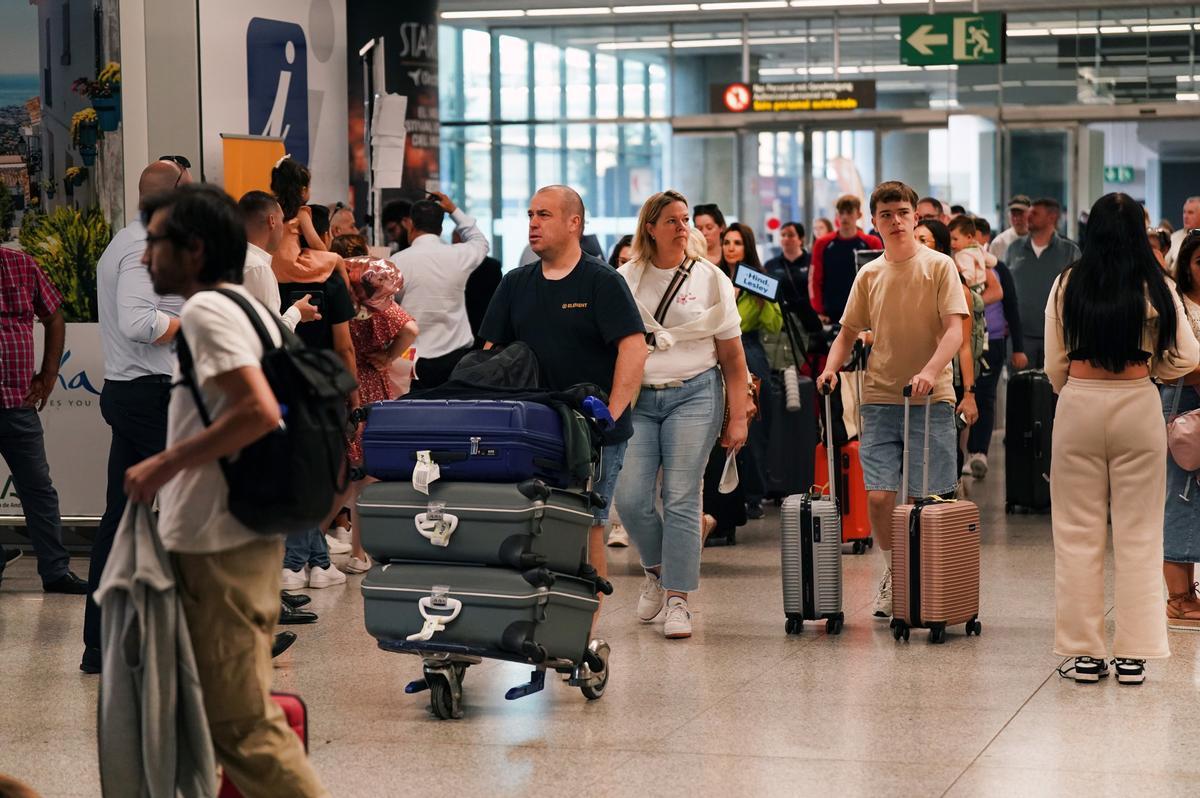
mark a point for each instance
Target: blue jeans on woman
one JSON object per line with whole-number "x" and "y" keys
{"x": 673, "y": 429}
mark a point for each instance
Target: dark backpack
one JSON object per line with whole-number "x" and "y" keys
{"x": 286, "y": 480}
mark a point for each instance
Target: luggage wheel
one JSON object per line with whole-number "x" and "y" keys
{"x": 899, "y": 630}
{"x": 444, "y": 680}
{"x": 794, "y": 625}
{"x": 536, "y": 683}
{"x": 591, "y": 675}
{"x": 937, "y": 634}
{"x": 974, "y": 627}
{"x": 833, "y": 624}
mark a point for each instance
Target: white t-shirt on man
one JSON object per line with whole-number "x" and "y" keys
{"x": 194, "y": 515}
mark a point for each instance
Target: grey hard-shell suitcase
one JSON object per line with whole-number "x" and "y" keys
{"x": 521, "y": 526}
{"x": 811, "y": 546}
{"x": 488, "y": 612}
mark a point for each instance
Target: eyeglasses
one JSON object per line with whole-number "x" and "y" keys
{"x": 151, "y": 239}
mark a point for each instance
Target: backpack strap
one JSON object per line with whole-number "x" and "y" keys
{"x": 660, "y": 313}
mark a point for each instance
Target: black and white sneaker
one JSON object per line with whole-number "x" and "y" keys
{"x": 1130, "y": 671}
{"x": 1084, "y": 669}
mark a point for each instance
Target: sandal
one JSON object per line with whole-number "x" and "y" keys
{"x": 707, "y": 525}
{"x": 1182, "y": 614}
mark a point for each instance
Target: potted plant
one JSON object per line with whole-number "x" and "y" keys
{"x": 105, "y": 94}
{"x": 76, "y": 175}
{"x": 67, "y": 245}
{"x": 49, "y": 187}
{"x": 83, "y": 134}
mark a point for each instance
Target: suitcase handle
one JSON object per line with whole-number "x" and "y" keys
{"x": 904, "y": 458}
{"x": 444, "y": 457}
{"x": 436, "y": 530}
{"x": 435, "y": 623}
{"x": 826, "y": 390}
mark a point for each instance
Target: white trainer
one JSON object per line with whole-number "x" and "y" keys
{"x": 336, "y": 546}
{"x": 678, "y": 623}
{"x": 354, "y": 565}
{"x": 978, "y": 465}
{"x": 293, "y": 580}
{"x": 653, "y": 597}
{"x": 325, "y": 577}
{"x": 883, "y": 599}
{"x": 618, "y": 537}
{"x": 341, "y": 533}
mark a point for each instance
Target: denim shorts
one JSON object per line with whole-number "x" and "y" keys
{"x": 881, "y": 447}
{"x": 612, "y": 457}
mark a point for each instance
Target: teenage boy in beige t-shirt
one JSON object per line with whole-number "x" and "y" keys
{"x": 912, "y": 301}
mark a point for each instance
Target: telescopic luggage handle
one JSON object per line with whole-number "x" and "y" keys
{"x": 826, "y": 391}
{"x": 904, "y": 459}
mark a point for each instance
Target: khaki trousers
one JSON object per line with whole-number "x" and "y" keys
{"x": 1109, "y": 451}
{"x": 231, "y": 600}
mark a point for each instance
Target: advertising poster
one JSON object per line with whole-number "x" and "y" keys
{"x": 277, "y": 68}
{"x": 410, "y": 35}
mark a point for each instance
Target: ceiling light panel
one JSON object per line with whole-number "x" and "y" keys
{"x": 492, "y": 14}
{"x": 661, "y": 8}
{"x": 585, "y": 11}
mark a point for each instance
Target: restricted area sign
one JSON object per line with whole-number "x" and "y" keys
{"x": 929, "y": 39}
{"x": 809, "y": 95}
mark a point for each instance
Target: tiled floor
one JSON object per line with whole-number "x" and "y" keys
{"x": 740, "y": 709}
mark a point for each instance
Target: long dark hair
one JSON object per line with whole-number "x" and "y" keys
{"x": 750, "y": 254}
{"x": 1104, "y": 302}
{"x": 289, "y": 178}
{"x": 625, "y": 241}
{"x": 1183, "y": 263}
{"x": 940, "y": 233}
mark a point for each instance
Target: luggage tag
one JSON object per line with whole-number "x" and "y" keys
{"x": 437, "y": 599}
{"x": 436, "y": 525}
{"x": 729, "y": 474}
{"x": 425, "y": 472}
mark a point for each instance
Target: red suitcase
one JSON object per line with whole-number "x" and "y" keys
{"x": 297, "y": 717}
{"x": 852, "y": 494}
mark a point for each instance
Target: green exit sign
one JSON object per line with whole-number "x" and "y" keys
{"x": 928, "y": 39}
{"x": 1118, "y": 174}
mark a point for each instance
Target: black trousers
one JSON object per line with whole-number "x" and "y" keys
{"x": 137, "y": 413}
{"x": 23, "y": 448}
{"x": 433, "y": 371}
{"x": 980, "y": 436}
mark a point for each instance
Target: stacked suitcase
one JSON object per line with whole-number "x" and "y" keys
{"x": 481, "y": 544}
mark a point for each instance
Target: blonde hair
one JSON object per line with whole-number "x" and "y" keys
{"x": 643, "y": 247}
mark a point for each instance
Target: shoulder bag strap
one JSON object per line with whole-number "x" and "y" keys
{"x": 660, "y": 313}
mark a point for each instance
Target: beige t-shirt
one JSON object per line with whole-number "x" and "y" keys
{"x": 903, "y": 304}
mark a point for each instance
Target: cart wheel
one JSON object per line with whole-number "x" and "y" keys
{"x": 594, "y": 689}
{"x": 833, "y": 626}
{"x": 441, "y": 700}
{"x": 937, "y": 635}
{"x": 793, "y": 626}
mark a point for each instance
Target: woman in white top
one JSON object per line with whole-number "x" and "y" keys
{"x": 679, "y": 412}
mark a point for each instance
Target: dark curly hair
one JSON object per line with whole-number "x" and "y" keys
{"x": 289, "y": 178}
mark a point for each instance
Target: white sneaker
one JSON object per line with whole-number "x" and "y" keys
{"x": 336, "y": 546}
{"x": 653, "y": 597}
{"x": 325, "y": 577}
{"x": 341, "y": 533}
{"x": 618, "y": 537}
{"x": 678, "y": 623}
{"x": 294, "y": 580}
{"x": 883, "y": 599}
{"x": 356, "y": 566}
{"x": 978, "y": 465}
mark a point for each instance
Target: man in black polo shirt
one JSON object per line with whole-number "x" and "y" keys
{"x": 579, "y": 318}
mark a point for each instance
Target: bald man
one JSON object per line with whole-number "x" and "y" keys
{"x": 578, "y": 316}
{"x": 136, "y": 328}
{"x": 435, "y": 284}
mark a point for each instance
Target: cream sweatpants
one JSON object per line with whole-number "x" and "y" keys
{"x": 1109, "y": 450}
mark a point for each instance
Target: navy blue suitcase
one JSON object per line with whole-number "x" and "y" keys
{"x": 470, "y": 440}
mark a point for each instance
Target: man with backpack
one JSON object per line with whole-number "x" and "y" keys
{"x": 228, "y": 574}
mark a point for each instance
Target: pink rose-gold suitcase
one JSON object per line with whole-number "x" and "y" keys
{"x": 935, "y": 556}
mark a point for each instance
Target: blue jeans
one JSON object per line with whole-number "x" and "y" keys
{"x": 24, "y": 450}
{"x": 612, "y": 457}
{"x": 305, "y": 548}
{"x": 673, "y": 429}
{"x": 881, "y": 448}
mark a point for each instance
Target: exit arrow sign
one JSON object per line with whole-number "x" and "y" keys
{"x": 928, "y": 39}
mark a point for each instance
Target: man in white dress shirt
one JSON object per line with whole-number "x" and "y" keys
{"x": 137, "y": 327}
{"x": 263, "y": 219}
{"x": 435, "y": 282}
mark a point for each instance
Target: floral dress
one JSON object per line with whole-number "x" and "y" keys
{"x": 373, "y": 331}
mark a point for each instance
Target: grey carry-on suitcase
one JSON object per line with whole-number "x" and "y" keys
{"x": 522, "y": 526}
{"x": 935, "y": 556}
{"x": 486, "y": 612}
{"x": 811, "y": 548}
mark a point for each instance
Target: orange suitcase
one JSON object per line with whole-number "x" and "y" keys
{"x": 935, "y": 556}
{"x": 852, "y": 494}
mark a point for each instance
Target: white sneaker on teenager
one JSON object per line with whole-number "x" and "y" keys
{"x": 883, "y": 599}
{"x": 678, "y": 623}
{"x": 325, "y": 577}
{"x": 293, "y": 580}
{"x": 336, "y": 546}
{"x": 618, "y": 537}
{"x": 653, "y": 597}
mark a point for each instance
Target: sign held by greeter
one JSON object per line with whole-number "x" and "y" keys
{"x": 933, "y": 39}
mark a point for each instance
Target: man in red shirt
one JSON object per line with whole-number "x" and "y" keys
{"x": 833, "y": 268}
{"x": 25, "y": 292}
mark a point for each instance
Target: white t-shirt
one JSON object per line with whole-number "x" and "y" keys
{"x": 194, "y": 506}
{"x": 704, "y": 288}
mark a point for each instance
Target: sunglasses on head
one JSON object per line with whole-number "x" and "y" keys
{"x": 177, "y": 159}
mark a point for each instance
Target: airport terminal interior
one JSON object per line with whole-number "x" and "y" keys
{"x": 789, "y": 670}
